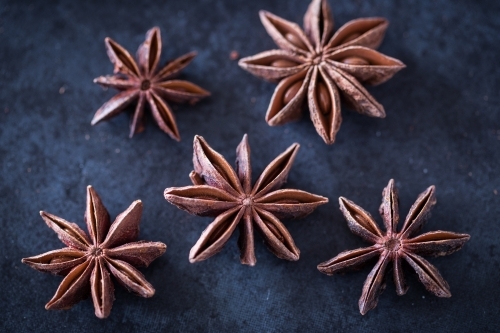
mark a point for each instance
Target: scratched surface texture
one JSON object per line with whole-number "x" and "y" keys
{"x": 442, "y": 128}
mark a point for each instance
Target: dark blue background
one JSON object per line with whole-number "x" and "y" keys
{"x": 442, "y": 128}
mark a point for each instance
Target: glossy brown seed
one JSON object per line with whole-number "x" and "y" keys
{"x": 351, "y": 37}
{"x": 291, "y": 92}
{"x": 283, "y": 63}
{"x": 357, "y": 61}
{"x": 274, "y": 230}
{"x": 181, "y": 89}
{"x": 295, "y": 40}
{"x": 323, "y": 97}
{"x": 60, "y": 259}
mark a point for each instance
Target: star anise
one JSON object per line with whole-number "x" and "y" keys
{"x": 395, "y": 246}
{"x": 324, "y": 66}
{"x": 228, "y": 194}
{"x": 142, "y": 82}
{"x": 86, "y": 262}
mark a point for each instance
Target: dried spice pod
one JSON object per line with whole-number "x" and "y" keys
{"x": 87, "y": 261}
{"x": 395, "y": 246}
{"x": 219, "y": 190}
{"x": 142, "y": 82}
{"x": 324, "y": 66}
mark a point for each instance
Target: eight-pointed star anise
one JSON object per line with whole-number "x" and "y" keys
{"x": 395, "y": 246}
{"x": 228, "y": 194}
{"x": 142, "y": 82}
{"x": 86, "y": 262}
{"x": 322, "y": 66}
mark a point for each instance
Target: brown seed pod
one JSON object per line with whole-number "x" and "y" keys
{"x": 237, "y": 202}
{"x": 291, "y": 92}
{"x": 342, "y": 60}
{"x": 395, "y": 246}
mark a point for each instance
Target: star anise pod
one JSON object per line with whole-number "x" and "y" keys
{"x": 324, "y": 66}
{"x": 395, "y": 246}
{"x": 87, "y": 262}
{"x": 142, "y": 82}
{"x": 228, "y": 194}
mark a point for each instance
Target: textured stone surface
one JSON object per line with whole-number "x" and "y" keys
{"x": 442, "y": 128}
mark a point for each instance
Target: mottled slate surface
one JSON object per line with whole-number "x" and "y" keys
{"x": 442, "y": 128}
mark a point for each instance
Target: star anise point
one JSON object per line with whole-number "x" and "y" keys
{"x": 227, "y": 193}
{"x": 323, "y": 67}
{"x": 395, "y": 246}
{"x": 86, "y": 262}
{"x": 142, "y": 82}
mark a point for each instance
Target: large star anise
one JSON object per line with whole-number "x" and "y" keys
{"x": 86, "y": 262}
{"x": 324, "y": 66}
{"x": 395, "y": 246}
{"x": 142, "y": 82}
{"x": 228, "y": 194}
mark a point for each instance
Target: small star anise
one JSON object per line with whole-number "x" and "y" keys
{"x": 395, "y": 246}
{"x": 141, "y": 82}
{"x": 324, "y": 66}
{"x": 86, "y": 263}
{"x": 228, "y": 194}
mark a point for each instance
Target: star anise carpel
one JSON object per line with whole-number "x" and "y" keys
{"x": 142, "y": 82}
{"x": 87, "y": 262}
{"x": 219, "y": 190}
{"x": 326, "y": 67}
{"x": 395, "y": 246}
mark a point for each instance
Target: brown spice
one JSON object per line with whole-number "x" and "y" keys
{"x": 142, "y": 83}
{"x": 219, "y": 190}
{"x": 395, "y": 246}
{"x": 324, "y": 66}
{"x": 87, "y": 262}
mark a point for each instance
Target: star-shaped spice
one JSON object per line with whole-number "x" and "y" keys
{"x": 228, "y": 194}
{"x": 87, "y": 262}
{"x": 395, "y": 246}
{"x": 141, "y": 82}
{"x": 324, "y": 66}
